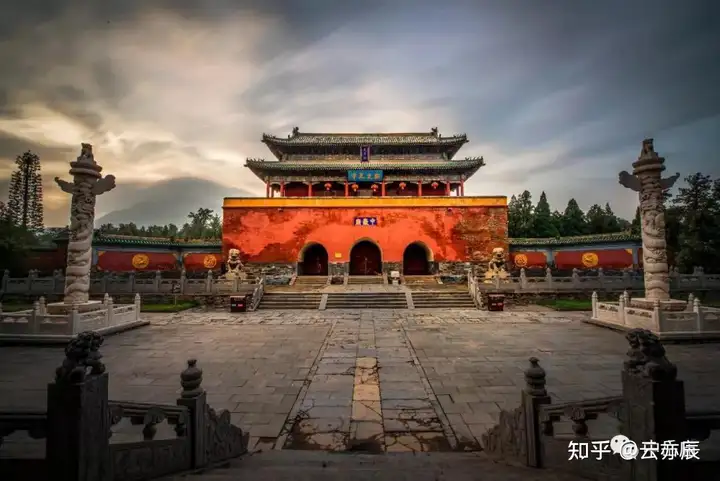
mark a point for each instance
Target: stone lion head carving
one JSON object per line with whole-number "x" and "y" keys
{"x": 498, "y": 253}
{"x": 233, "y": 254}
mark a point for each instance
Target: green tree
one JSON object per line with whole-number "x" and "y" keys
{"x": 612, "y": 222}
{"x": 573, "y": 220}
{"x": 635, "y": 227}
{"x": 596, "y": 219}
{"x": 15, "y": 242}
{"x": 543, "y": 225}
{"x": 697, "y": 205}
{"x": 24, "y": 204}
{"x": 520, "y": 216}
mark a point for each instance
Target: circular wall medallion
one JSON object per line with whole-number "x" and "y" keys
{"x": 521, "y": 260}
{"x": 140, "y": 261}
{"x": 209, "y": 261}
{"x": 589, "y": 259}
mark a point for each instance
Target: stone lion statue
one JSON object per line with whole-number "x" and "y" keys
{"x": 496, "y": 266}
{"x": 234, "y": 266}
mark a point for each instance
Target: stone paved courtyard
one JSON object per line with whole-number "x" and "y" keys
{"x": 375, "y": 380}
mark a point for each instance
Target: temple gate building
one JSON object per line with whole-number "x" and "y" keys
{"x": 365, "y": 204}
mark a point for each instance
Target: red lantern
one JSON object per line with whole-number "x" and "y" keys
{"x": 374, "y": 187}
{"x": 328, "y": 186}
{"x": 434, "y": 185}
{"x": 403, "y": 185}
{"x": 355, "y": 187}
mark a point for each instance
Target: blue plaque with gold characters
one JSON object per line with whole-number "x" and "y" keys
{"x": 365, "y": 153}
{"x": 365, "y": 175}
{"x": 365, "y": 221}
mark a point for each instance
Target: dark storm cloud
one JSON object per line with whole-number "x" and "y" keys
{"x": 177, "y": 88}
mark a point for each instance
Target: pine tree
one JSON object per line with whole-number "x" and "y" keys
{"x": 612, "y": 223}
{"x": 523, "y": 213}
{"x": 573, "y": 220}
{"x": 24, "y": 204}
{"x": 596, "y": 220}
{"x": 543, "y": 225}
{"x": 635, "y": 227}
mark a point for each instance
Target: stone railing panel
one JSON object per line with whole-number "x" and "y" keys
{"x": 682, "y": 321}
{"x": 639, "y": 318}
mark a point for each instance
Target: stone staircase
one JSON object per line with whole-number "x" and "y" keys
{"x": 446, "y": 299}
{"x": 366, "y": 300}
{"x": 310, "y": 282}
{"x": 290, "y": 300}
{"x": 286, "y": 465}
{"x": 364, "y": 280}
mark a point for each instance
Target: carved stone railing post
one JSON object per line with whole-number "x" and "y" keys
{"x": 533, "y": 396}
{"x": 697, "y": 309}
{"x": 193, "y": 396}
{"x": 575, "y": 278}
{"x": 158, "y": 281}
{"x": 209, "y": 282}
{"x": 78, "y": 421}
{"x": 183, "y": 280}
{"x": 5, "y": 280}
{"x": 523, "y": 279}
{"x": 74, "y": 318}
{"x": 138, "y": 306}
{"x": 691, "y": 302}
{"x": 654, "y": 404}
{"x": 549, "y": 278}
{"x": 621, "y": 309}
{"x": 594, "y": 298}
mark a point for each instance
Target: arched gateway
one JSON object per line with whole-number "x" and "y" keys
{"x": 415, "y": 260}
{"x": 313, "y": 261}
{"x": 365, "y": 259}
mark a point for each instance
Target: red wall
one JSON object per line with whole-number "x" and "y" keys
{"x": 123, "y": 261}
{"x": 534, "y": 259}
{"x": 606, "y": 258}
{"x": 47, "y": 261}
{"x": 278, "y": 235}
{"x": 202, "y": 261}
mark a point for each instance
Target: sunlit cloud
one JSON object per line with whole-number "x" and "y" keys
{"x": 171, "y": 93}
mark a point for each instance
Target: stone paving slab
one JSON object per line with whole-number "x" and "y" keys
{"x": 373, "y": 380}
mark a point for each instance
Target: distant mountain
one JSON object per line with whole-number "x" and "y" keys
{"x": 162, "y": 203}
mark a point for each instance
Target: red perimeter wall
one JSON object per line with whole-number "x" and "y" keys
{"x": 606, "y": 258}
{"x": 122, "y": 261}
{"x": 272, "y": 235}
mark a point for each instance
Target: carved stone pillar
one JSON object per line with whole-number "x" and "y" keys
{"x": 647, "y": 180}
{"x": 87, "y": 184}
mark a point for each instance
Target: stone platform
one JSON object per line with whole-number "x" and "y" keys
{"x": 376, "y": 380}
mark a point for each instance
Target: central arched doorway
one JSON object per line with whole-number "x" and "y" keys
{"x": 415, "y": 260}
{"x": 314, "y": 261}
{"x": 365, "y": 259}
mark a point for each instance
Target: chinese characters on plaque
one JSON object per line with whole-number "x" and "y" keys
{"x": 365, "y": 153}
{"x": 366, "y": 221}
{"x": 366, "y": 175}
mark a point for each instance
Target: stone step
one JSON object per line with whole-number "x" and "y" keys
{"x": 294, "y": 465}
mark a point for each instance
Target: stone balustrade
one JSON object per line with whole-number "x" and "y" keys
{"x": 130, "y": 283}
{"x": 599, "y": 281}
{"x": 42, "y": 323}
{"x": 696, "y": 321}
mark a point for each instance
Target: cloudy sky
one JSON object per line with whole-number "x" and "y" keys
{"x": 557, "y": 95}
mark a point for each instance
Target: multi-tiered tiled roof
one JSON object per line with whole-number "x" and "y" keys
{"x": 411, "y": 153}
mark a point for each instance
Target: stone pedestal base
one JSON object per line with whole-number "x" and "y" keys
{"x": 62, "y": 308}
{"x": 667, "y": 305}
